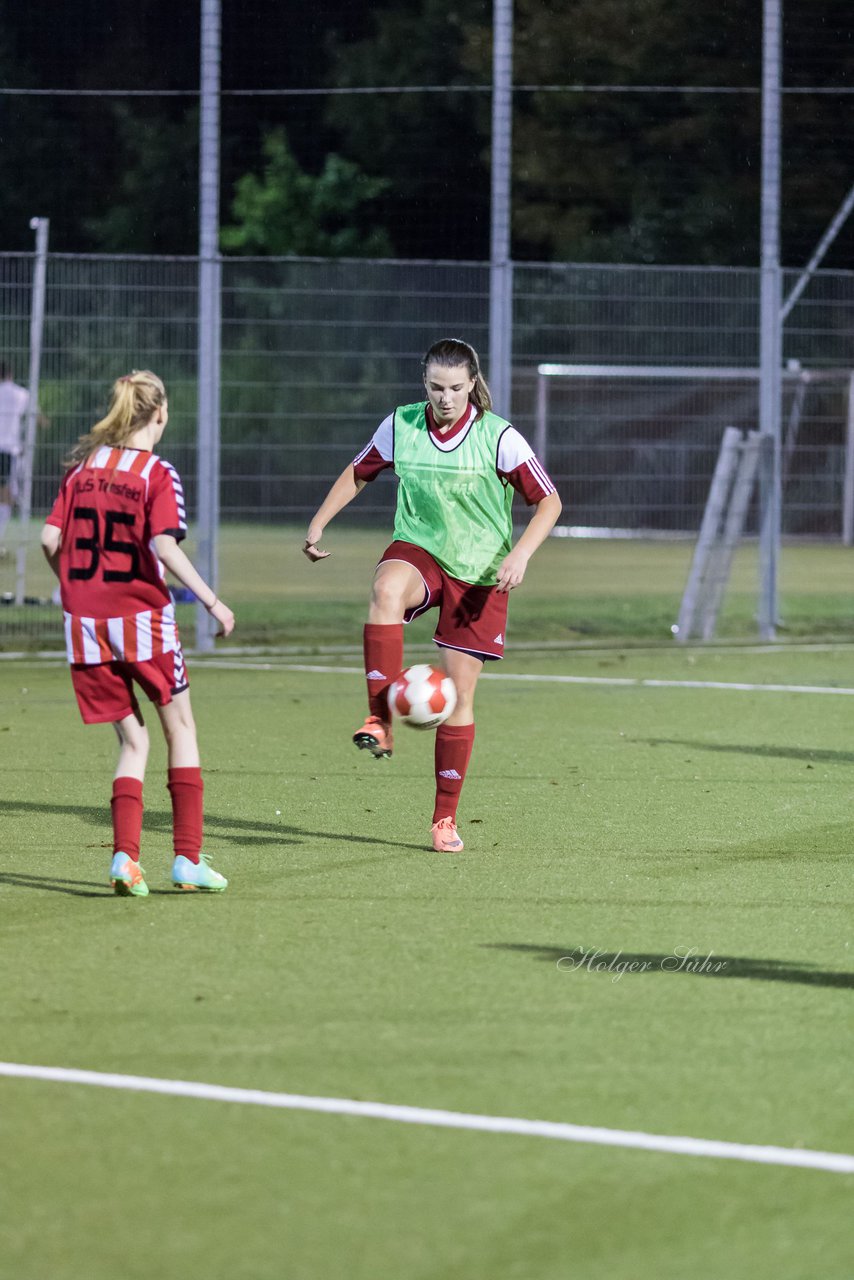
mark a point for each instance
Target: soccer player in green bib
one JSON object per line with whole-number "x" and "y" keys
{"x": 458, "y": 466}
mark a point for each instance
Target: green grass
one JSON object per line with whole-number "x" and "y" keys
{"x": 576, "y": 590}
{"x": 347, "y": 960}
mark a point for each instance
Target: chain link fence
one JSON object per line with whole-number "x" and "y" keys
{"x": 316, "y": 352}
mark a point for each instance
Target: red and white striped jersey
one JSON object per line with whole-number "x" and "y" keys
{"x": 515, "y": 462}
{"x": 110, "y": 508}
{"x": 135, "y": 637}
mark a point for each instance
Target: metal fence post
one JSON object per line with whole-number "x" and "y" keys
{"x": 41, "y": 226}
{"x": 848, "y": 482}
{"x": 770, "y": 322}
{"x": 209, "y": 324}
{"x": 500, "y": 265}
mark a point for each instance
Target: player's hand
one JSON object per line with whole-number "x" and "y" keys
{"x": 310, "y": 547}
{"x": 511, "y": 571}
{"x": 224, "y": 617}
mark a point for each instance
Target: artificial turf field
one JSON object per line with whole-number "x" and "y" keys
{"x": 347, "y": 961}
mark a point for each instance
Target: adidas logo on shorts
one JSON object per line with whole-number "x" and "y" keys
{"x": 499, "y": 639}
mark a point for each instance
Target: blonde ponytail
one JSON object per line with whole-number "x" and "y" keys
{"x": 134, "y": 400}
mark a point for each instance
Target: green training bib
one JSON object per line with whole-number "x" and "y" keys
{"x": 453, "y": 503}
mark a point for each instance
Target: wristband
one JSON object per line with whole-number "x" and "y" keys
{"x": 212, "y": 604}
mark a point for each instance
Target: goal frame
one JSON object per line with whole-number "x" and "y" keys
{"x": 794, "y": 374}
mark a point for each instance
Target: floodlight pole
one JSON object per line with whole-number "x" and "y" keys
{"x": 209, "y": 320}
{"x": 41, "y": 226}
{"x": 770, "y": 322}
{"x": 500, "y": 264}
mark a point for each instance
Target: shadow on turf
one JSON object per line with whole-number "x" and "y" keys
{"x": 235, "y": 830}
{"x": 55, "y": 884}
{"x": 809, "y": 755}
{"x": 730, "y": 966}
{"x": 159, "y": 821}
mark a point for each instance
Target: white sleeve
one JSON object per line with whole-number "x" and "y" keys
{"x": 513, "y": 450}
{"x": 382, "y": 440}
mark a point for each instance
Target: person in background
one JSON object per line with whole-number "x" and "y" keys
{"x": 14, "y": 401}
{"x": 458, "y": 466}
{"x": 113, "y": 531}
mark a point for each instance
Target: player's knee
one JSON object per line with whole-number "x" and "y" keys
{"x": 178, "y": 722}
{"x": 465, "y": 696}
{"x": 387, "y": 594}
{"x": 133, "y": 737}
{"x": 465, "y": 681}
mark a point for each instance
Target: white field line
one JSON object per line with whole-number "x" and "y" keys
{"x": 626, "y": 682}
{"x": 578, "y": 649}
{"x": 622, "y": 681}
{"x": 575, "y": 650}
{"x": 829, "y": 1161}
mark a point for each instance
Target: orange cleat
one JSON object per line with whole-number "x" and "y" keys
{"x": 374, "y": 736}
{"x": 445, "y": 838}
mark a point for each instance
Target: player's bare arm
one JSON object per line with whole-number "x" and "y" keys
{"x": 182, "y": 568}
{"x": 344, "y": 490}
{"x": 51, "y": 541}
{"x": 512, "y": 569}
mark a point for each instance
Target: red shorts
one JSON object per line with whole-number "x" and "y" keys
{"x": 472, "y": 619}
{"x": 105, "y": 692}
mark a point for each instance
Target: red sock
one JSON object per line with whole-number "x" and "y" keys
{"x": 187, "y": 791}
{"x": 383, "y": 645}
{"x": 126, "y": 805}
{"x": 453, "y": 751}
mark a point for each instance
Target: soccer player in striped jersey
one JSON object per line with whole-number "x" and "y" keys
{"x": 458, "y": 466}
{"x": 113, "y": 531}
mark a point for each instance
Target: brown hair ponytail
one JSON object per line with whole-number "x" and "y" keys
{"x": 134, "y": 400}
{"x": 452, "y": 352}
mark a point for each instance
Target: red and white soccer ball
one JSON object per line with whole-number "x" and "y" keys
{"x": 422, "y": 696}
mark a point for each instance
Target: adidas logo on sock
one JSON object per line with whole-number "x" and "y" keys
{"x": 376, "y": 675}
{"x": 499, "y": 639}
{"x": 452, "y": 774}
